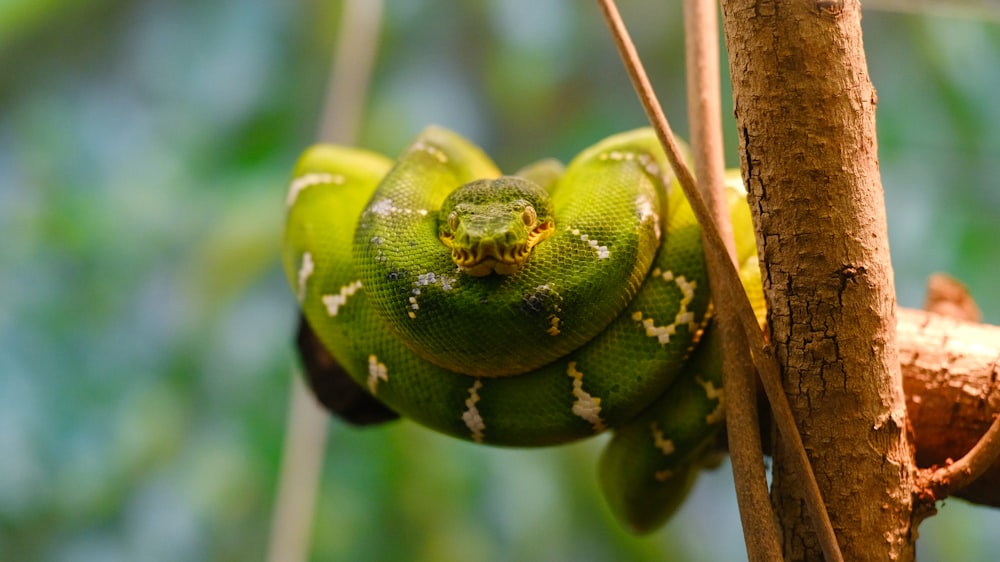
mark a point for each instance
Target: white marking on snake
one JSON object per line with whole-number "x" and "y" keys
{"x": 650, "y": 165}
{"x": 433, "y": 151}
{"x": 305, "y": 271}
{"x": 471, "y": 416}
{"x": 379, "y": 254}
{"x": 334, "y": 302}
{"x": 309, "y": 180}
{"x": 382, "y": 207}
{"x": 376, "y": 372}
{"x": 617, "y": 156}
{"x": 647, "y": 162}
{"x": 425, "y": 280}
{"x": 644, "y": 210}
{"x": 666, "y": 446}
{"x": 586, "y": 406}
{"x": 719, "y": 413}
{"x": 601, "y": 251}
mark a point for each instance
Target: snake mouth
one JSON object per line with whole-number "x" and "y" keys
{"x": 488, "y": 255}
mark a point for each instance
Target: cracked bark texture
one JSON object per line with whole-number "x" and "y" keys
{"x": 805, "y": 108}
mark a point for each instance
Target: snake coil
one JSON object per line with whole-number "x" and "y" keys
{"x": 523, "y": 310}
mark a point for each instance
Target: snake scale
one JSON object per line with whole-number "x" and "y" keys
{"x": 522, "y": 310}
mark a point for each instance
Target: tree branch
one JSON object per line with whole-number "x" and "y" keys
{"x": 805, "y": 111}
{"x": 951, "y": 377}
{"x": 950, "y": 371}
{"x": 307, "y": 426}
{"x": 732, "y": 288}
{"x": 701, "y": 38}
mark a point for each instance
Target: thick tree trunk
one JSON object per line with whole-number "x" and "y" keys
{"x": 805, "y": 111}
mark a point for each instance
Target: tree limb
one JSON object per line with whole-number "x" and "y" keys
{"x": 701, "y": 39}
{"x": 805, "y": 112}
{"x": 732, "y": 289}
{"x": 950, "y": 369}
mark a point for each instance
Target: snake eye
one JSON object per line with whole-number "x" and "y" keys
{"x": 453, "y": 220}
{"x": 529, "y": 216}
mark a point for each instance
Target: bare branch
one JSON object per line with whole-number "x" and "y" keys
{"x": 760, "y": 350}
{"x": 760, "y": 531}
{"x": 306, "y": 432}
{"x": 975, "y": 463}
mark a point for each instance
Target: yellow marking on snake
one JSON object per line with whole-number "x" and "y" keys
{"x": 553, "y": 325}
{"x": 663, "y": 475}
{"x": 376, "y": 372}
{"x": 666, "y": 446}
{"x": 471, "y": 416}
{"x": 309, "y": 180}
{"x": 684, "y": 316}
{"x": 586, "y": 406}
{"x": 334, "y": 302}
{"x": 661, "y": 333}
{"x": 719, "y": 413}
{"x": 305, "y": 271}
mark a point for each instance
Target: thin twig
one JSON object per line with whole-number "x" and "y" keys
{"x": 760, "y": 530}
{"x": 761, "y": 352}
{"x": 947, "y": 296}
{"x": 301, "y": 462}
{"x": 306, "y": 432}
{"x": 350, "y": 72}
{"x": 959, "y": 474}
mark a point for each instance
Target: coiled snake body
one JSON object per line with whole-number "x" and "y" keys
{"x": 523, "y": 310}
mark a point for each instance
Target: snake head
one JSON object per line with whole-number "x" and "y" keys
{"x": 491, "y": 226}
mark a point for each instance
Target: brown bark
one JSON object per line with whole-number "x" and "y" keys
{"x": 950, "y": 372}
{"x": 950, "y": 375}
{"x": 701, "y": 47}
{"x": 805, "y": 111}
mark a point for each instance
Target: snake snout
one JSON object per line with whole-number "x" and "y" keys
{"x": 485, "y": 255}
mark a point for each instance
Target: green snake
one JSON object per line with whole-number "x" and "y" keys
{"x": 523, "y": 310}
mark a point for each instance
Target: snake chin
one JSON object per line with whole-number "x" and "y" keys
{"x": 487, "y": 257}
{"x": 496, "y": 254}
{"x": 489, "y": 266}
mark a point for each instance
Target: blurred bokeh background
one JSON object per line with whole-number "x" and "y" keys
{"x": 145, "y": 327}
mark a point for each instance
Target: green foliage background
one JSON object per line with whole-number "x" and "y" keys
{"x": 145, "y": 327}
